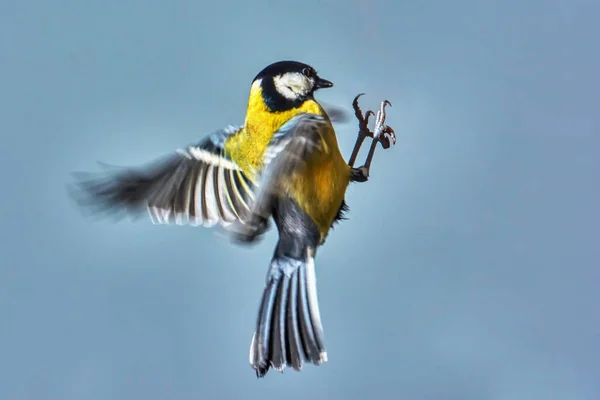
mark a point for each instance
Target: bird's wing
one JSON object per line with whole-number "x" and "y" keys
{"x": 287, "y": 152}
{"x": 198, "y": 185}
{"x": 336, "y": 114}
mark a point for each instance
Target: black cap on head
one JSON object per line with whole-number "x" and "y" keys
{"x": 282, "y": 88}
{"x": 282, "y": 67}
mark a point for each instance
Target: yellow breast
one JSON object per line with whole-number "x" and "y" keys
{"x": 320, "y": 187}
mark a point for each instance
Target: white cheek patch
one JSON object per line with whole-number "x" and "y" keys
{"x": 292, "y": 85}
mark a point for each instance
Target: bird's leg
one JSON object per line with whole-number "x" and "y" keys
{"x": 381, "y": 133}
{"x": 363, "y": 129}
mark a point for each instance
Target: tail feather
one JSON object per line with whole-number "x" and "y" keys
{"x": 262, "y": 335}
{"x": 294, "y": 345}
{"x": 279, "y": 341}
{"x": 313, "y": 303}
{"x": 306, "y": 329}
{"x": 289, "y": 330}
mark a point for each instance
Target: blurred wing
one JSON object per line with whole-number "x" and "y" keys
{"x": 199, "y": 185}
{"x": 336, "y": 114}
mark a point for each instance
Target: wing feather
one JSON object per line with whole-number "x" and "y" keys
{"x": 198, "y": 185}
{"x": 228, "y": 215}
{"x": 210, "y": 199}
{"x": 201, "y": 185}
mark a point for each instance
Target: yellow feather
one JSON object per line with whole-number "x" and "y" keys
{"x": 320, "y": 187}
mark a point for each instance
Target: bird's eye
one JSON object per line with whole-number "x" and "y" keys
{"x": 306, "y": 72}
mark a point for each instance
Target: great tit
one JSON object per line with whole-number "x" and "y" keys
{"x": 283, "y": 163}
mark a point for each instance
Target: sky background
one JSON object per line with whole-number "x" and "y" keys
{"x": 468, "y": 268}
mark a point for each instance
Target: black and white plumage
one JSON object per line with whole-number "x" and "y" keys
{"x": 198, "y": 185}
{"x": 289, "y": 311}
{"x": 240, "y": 178}
{"x": 202, "y": 185}
{"x": 289, "y": 331}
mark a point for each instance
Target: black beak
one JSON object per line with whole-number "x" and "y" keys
{"x": 323, "y": 83}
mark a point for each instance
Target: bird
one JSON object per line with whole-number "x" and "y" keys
{"x": 282, "y": 164}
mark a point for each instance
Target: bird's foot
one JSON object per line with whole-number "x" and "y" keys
{"x": 360, "y": 174}
{"x": 363, "y": 128}
{"x": 363, "y": 119}
{"x": 381, "y": 133}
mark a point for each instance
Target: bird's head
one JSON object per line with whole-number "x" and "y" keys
{"x": 288, "y": 84}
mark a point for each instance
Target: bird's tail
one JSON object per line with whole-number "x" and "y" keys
{"x": 288, "y": 328}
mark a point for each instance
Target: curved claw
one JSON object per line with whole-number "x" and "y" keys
{"x": 363, "y": 128}
{"x": 381, "y": 133}
{"x": 391, "y": 133}
{"x": 363, "y": 119}
{"x": 355, "y": 101}
{"x": 367, "y": 115}
{"x": 381, "y": 114}
{"x": 357, "y": 110}
{"x": 385, "y": 135}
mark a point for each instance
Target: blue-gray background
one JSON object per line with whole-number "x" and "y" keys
{"x": 467, "y": 270}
